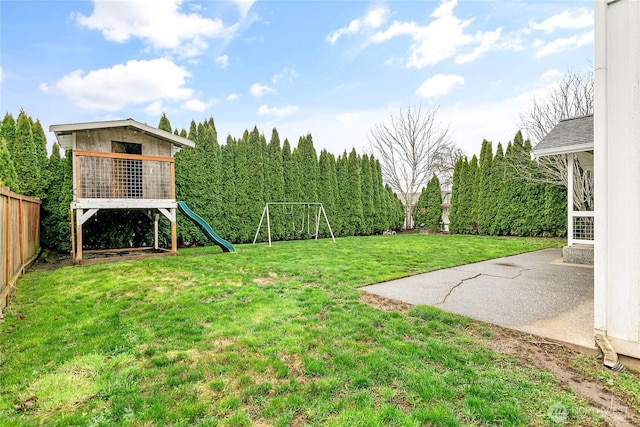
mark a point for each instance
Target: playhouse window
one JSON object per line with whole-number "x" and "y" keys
{"x": 127, "y": 174}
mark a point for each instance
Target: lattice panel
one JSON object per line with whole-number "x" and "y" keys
{"x": 107, "y": 178}
{"x": 583, "y": 227}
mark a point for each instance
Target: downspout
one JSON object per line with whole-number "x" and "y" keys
{"x": 610, "y": 356}
{"x": 601, "y": 305}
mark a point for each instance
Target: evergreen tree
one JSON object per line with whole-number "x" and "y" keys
{"x": 485, "y": 207}
{"x": 164, "y": 123}
{"x": 455, "y": 213}
{"x": 498, "y": 181}
{"x": 229, "y": 191}
{"x": 249, "y": 183}
{"x": 292, "y": 191}
{"x": 554, "y": 215}
{"x": 342, "y": 176}
{"x": 55, "y": 228}
{"x": 433, "y": 195}
{"x": 380, "y": 222}
{"x": 473, "y": 189}
{"x": 274, "y": 187}
{"x": 308, "y": 166}
{"x": 25, "y": 159}
{"x": 517, "y": 190}
{"x": 193, "y": 178}
{"x": 420, "y": 211}
{"x": 212, "y": 195}
{"x": 352, "y": 197}
{"x": 8, "y": 132}
{"x": 8, "y": 175}
{"x": 366, "y": 187}
{"x": 396, "y": 209}
{"x": 193, "y": 131}
{"x": 187, "y": 183}
{"x": 428, "y": 212}
{"x": 328, "y": 190}
{"x": 40, "y": 143}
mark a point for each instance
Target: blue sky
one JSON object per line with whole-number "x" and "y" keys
{"x": 331, "y": 68}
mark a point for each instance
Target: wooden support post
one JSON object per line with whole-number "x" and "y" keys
{"x": 73, "y": 234}
{"x": 156, "y": 217}
{"x": 78, "y": 255}
{"x": 174, "y": 232}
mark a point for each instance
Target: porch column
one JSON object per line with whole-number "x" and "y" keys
{"x": 570, "y": 166}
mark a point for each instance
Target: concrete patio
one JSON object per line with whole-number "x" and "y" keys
{"x": 533, "y": 292}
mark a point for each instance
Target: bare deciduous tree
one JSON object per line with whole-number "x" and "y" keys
{"x": 571, "y": 97}
{"x": 412, "y": 146}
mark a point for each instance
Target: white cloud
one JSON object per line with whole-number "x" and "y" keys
{"x": 346, "y": 117}
{"x": 495, "y": 121}
{"x": 487, "y": 41}
{"x": 222, "y": 61}
{"x": 279, "y": 112}
{"x": 563, "y": 44}
{"x": 258, "y": 89}
{"x": 244, "y": 6}
{"x": 439, "y": 85}
{"x": 287, "y": 74}
{"x": 195, "y": 105}
{"x": 136, "y": 82}
{"x": 156, "y": 108}
{"x": 551, "y": 75}
{"x": 442, "y": 38}
{"x": 372, "y": 20}
{"x": 566, "y": 20}
{"x": 160, "y": 23}
{"x": 232, "y": 96}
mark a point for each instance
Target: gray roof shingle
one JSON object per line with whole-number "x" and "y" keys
{"x": 569, "y": 136}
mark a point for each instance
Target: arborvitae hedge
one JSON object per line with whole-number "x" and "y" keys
{"x": 231, "y": 188}
{"x": 489, "y": 197}
{"x": 226, "y": 184}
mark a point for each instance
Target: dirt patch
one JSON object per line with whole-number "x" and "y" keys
{"x": 263, "y": 281}
{"x": 385, "y": 304}
{"x": 551, "y": 356}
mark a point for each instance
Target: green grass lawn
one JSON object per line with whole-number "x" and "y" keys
{"x": 263, "y": 336}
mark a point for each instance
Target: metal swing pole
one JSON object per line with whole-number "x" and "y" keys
{"x": 318, "y": 222}
{"x": 327, "y": 221}
{"x": 266, "y": 207}
{"x": 268, "y": 223}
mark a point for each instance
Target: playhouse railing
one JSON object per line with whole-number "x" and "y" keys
{"x": 123, "y": 176}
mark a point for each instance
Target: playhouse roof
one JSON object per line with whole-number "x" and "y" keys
{"x": 572, "y": 135}
{"x": 67, "y": 129}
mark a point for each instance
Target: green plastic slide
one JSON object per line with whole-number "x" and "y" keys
{"x": 206, "y": 228}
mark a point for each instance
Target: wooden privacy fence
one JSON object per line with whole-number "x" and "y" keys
{"x": 19, "y": 238}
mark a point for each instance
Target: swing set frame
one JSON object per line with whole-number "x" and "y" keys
{"x": 307, "y": 205}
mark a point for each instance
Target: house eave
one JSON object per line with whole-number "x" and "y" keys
{"x": 176, "y": 140}
{"x": 578, "y": 148}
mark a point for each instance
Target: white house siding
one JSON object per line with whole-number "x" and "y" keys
{"x": 617, "y": 173}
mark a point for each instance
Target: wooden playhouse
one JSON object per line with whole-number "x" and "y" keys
{"x": 121, "y": 164}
